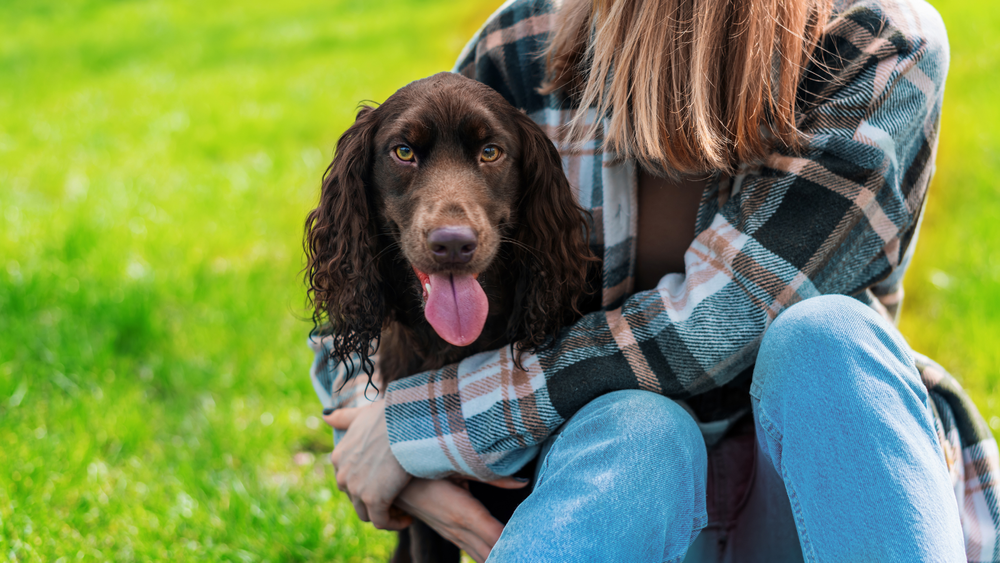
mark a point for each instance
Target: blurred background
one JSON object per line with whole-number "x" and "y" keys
{"x": 157, "y": 161}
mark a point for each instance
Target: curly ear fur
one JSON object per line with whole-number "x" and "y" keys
{"x": 553, "y": 232}
{"x": 341, "y": 275}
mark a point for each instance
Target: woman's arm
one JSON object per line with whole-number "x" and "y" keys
{"x": 837, "y": 218}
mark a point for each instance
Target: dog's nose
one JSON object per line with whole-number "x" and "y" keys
{"x": 452, "y": 245}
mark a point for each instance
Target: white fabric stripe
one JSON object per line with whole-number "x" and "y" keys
{"x": 617, "y": 180}
{"x": 577, "y": 158}
{"x": 425, "y": 457}
{"x": 919, "y": 78}
{"x": 483, "y": 370}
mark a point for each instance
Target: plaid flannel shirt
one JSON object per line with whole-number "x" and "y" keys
{"x": 841, "y": 217}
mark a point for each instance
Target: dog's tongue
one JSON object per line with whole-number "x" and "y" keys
{"x": 456, "y": 307}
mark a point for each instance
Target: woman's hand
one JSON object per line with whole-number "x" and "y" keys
{"x": 455, "y": 514}
{"x": 366, "y": 468}
{"x": 442, "y": 504}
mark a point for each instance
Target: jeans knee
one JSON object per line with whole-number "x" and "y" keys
{"x": 820, "y": 320}
{"x": 832, "y": 334}
{"x": 639, "y": 426}
{"x": 643, "y": 417}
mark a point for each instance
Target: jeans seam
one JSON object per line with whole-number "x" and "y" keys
{"x": 545, "y": 462}
{"x": 807, "y": 550}
{"x": 766, "y": 424}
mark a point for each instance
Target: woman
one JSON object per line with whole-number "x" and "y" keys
{"x": 756, "y": 180}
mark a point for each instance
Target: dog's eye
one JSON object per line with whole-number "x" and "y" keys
{"x": 404, "y": 153}
{"x": 490, "y": 153}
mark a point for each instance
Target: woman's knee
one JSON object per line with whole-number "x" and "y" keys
{"x": 832, "y": 345}
{"x": 640, "y": 419}
{"x": 634, "y": 431}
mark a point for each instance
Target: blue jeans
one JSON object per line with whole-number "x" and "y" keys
{"x": 848, "y": 465}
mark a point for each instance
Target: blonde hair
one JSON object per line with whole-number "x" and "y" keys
{"x": 689, "y": 85}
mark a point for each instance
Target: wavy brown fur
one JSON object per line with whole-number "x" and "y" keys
{"x": 344, "y": 283}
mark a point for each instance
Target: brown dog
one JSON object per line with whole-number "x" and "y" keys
{"x": 445, "y": 228}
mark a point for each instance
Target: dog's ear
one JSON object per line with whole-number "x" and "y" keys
{"x": 343, "y": 283}
{"x": 552, "y": 232}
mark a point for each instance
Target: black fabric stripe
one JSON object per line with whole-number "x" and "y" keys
{"x": 917, "y": 167}
{"x": 574, "y": 386}
{"x": 805, "y": 218}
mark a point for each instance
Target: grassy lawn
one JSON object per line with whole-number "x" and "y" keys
{"x": 157, "y": 160}
{"x": 952, "y": 310}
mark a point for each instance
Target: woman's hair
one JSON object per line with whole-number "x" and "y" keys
{"x": 688, "y": 85}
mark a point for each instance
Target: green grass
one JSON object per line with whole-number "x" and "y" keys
{"x": 952, "y": 309}
{"x": 157, "y": 160}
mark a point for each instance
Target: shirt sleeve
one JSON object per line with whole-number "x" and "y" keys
{"x": 836, "y": 218}
{"x": 340, "y": 385}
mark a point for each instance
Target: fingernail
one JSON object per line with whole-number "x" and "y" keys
{"x": 328, "y": 411}
{"x": 522, "y": 479}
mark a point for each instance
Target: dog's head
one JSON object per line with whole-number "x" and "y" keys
{"x": 446, "y": 177}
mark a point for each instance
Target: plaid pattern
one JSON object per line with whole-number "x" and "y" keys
{"x": 837, "y": 219}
